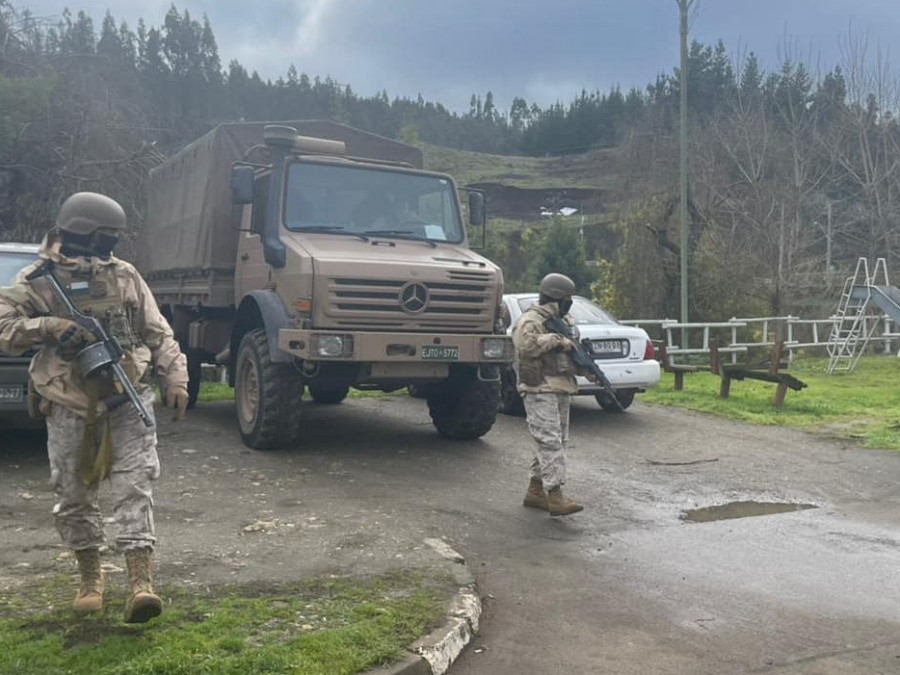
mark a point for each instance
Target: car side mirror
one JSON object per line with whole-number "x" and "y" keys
{"x": 242, "y": 184}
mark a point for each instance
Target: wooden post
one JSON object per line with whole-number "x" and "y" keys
{"x": 725, "y": 387}
{"x": 779, "y": 394}
{"x": 776, "y": 358}
{"x": 714, "y": 363}
{"x": 679, "y": 380}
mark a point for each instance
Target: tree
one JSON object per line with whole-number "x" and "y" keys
{"x": 559, "y": 248}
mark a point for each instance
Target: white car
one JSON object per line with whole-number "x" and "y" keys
{"x": 624, "y": 353}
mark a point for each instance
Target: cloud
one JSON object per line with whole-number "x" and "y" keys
{"x": 310, "y": 30}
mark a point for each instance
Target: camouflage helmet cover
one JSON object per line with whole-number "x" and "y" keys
{"x": 85, "y": 212}
{"x": 557, "y": 286}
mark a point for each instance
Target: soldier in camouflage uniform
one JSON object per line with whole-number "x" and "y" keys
{"x": 87, "y": 442}
{"x": 546, "y": 380}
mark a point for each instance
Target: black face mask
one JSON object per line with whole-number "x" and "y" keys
{"x": 564, "y": 306}
{"x": 95, "y": 244}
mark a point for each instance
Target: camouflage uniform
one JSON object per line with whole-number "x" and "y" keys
{"x": 147, "y": 338}
{"x": 546, "y": 379}
{"x": 135, "y": 465}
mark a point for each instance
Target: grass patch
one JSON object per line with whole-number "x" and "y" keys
{"x": 591, "y": 170}
{"x": 218, "y": 391}
{"x": 335, "y": 626}
{"x": 863, "y": 405}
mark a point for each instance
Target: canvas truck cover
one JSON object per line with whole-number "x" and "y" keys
{"x": 189, "y": 223}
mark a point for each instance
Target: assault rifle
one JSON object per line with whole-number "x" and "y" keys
{"x": 581, "y": 355}
{"x": 100, "y": 358}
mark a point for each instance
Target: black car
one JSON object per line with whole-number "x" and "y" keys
{"x": 14, "y": 370}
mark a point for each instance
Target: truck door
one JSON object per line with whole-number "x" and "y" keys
{"x": 251, "y": 270}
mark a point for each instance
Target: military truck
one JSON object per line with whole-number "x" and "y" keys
{"x": 313, "y": 256}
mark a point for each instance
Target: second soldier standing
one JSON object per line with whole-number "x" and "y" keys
{"x": 546, "y": 380}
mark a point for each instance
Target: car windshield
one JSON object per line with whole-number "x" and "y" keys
{"x": 583, "y": 311}
{"x": 371, "y": 202}
{"x": 11, "y": 264}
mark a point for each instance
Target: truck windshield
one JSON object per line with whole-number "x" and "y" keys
{"x": 11, "y": 264}
{"x": 366, "y": 201}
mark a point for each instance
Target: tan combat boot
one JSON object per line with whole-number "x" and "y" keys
{"x": 90, "y": 593}
{"x": 536, "y": 498}
{"x": 558, "y": 505}
{"x": 143, "y": 604}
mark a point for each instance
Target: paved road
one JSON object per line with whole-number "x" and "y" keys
{"x": 624, "y": 587}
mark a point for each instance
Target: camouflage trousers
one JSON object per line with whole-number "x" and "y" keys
{"x": 548, "y": 422}
{"x": 135, "y": 466}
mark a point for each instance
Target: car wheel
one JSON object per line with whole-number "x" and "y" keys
{"x": 625, "y": 396}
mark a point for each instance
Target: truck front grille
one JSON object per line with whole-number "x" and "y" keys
{"x": 450, "y": 305}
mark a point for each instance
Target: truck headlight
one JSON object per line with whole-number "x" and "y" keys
{"x": 493, "y": 348}
{"x": 332, "y": 346}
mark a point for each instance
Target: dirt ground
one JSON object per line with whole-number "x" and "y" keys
{"x": 627, "y": 586}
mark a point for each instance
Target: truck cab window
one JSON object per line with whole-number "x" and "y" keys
{"x": 351, "y": 199}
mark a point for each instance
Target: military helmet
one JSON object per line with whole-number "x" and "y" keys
{"x": 557, "y": 286}
{"x": 85, "y": 212}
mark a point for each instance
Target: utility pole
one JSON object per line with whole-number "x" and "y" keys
{"x": 828, "y": 245}
{"x": 683, "y": 7}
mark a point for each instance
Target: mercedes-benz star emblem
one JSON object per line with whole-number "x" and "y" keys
{"x": 413, "y": 297}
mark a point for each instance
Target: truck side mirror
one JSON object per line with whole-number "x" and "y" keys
{"x": 242, "y": 184}
{"x": 477, "y": 215}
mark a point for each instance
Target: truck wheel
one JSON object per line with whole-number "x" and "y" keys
{"x": 195, "y": 375}
{"x": 511, "y": 402}
{"x": 463, "y": 407}
{"x": 625, "y": 396}
{"x": 328, "y": 393}
{"x": 267, "y": 395}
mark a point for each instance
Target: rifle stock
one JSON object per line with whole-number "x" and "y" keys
{"x": 582, "y": 357}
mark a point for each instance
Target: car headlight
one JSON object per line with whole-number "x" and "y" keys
{"x": 493, "y": 348}
{"x": 332, "y": 346}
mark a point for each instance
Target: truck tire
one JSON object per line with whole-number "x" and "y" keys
{"x": 463, "y": 407}
{"x": 328, "y": 393}
{"x": 625, "y": 396}
{"x": 195, "y": 376}
{"x": 267, "y": 395}
{"x": 511, "y": 402}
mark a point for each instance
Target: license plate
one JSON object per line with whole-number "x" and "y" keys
{"x": 14, "y": 393}
{"x": 606, "y": 347}
{"x": 440, "y": 353}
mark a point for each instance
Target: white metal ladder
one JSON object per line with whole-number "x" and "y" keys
{"x": 852, "y": 326}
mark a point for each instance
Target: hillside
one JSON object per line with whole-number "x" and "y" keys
{"x": 518, "y": 188}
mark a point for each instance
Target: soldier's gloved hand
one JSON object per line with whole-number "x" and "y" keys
{"x": 177, "y": 398}
{"x": 65, "y": 332}
{"x": 567, "y": 345}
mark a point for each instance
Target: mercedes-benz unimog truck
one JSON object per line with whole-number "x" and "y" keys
{"x": 311, "y": 256}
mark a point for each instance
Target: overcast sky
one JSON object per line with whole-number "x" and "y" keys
{"x": 542, "y": 50}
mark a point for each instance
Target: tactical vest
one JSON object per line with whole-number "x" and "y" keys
{"x": 99, "y": 295}
{"x": 533, "y": 371}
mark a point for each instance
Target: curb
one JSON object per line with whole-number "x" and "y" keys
{"x": 436, "y": 652}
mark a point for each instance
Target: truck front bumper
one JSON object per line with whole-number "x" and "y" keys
{"x": 377, "y": 347}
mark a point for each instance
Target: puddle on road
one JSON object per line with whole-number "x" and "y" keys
{"x": 741, "y": 510}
